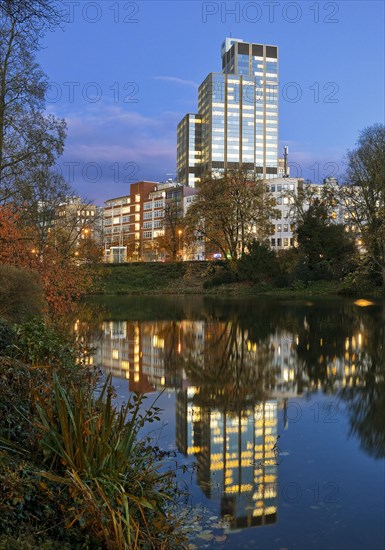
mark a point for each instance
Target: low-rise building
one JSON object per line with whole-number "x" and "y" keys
{"x": 146, "y": 225}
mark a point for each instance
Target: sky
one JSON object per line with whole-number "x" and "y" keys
{"x": 124, "y": 73}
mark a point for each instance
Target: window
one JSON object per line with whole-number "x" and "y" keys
{"x": 147, "y": 225}
{"x": 147, "y": 234}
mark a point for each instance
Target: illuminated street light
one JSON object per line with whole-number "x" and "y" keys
{"x": 179, "y": 249}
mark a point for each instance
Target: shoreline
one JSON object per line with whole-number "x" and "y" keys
{"x": 206, "y": 279}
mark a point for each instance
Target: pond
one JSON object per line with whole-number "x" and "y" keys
{"x": 275, "y": 411}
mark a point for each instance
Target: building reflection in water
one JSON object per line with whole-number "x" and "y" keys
{"x": 229, "y": 390}
{"x": 234, "y": 447}
{"x": 236, "y": 456}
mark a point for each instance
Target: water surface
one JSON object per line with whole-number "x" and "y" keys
{"x": 275, "y": 408}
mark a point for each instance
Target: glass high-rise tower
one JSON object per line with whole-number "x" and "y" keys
{"x": 237, "y": 122}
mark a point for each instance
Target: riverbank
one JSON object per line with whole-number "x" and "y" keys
{"x": 75, "y": 471}
{"x": 209, "y": 278}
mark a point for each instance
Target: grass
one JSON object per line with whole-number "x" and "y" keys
{"x": 95, "y": 453}
{"x": 192, "y": 278}
{"x": 141, "y": 277}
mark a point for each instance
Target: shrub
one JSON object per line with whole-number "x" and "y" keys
{"x": 73, "y": 469}
{"x": 219, "y": 275}
{"x": 41, "y": 344}
{"x": 19, "y": 386}
{"x": 21, "y": 295}
{"x": 7, "y": 336}
{"x": 259, "y": 265}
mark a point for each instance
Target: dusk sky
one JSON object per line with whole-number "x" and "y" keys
{"x": 124, "y": 73}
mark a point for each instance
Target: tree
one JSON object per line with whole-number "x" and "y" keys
{"x": 39, "y": 199}
{"x": 230, "y": 213}
{"x": 28, "y": 138}
{"x": 325, "y": 248}
{"x": 326, "y": 196}
{"x": 62, "y": 279}
{"x": 259, "y": 264}
{"x": 363, "y": 194}
{"x": 37, "y": 15}
{"x": 171, "y": 240}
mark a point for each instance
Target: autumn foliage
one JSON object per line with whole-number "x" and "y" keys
{"x": 62, "y": 278}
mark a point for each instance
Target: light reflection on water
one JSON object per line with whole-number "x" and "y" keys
{"x": 276, "y": 407}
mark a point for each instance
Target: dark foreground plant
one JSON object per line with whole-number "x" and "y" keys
{"x": 95, "y": 453}
{"x": 74, "y": 470}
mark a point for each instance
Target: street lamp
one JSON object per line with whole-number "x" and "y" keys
{"x": 179, "y": 250}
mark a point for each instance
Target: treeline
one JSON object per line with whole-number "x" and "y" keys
{"x": 339, "y": 231}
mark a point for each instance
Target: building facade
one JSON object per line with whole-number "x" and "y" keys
{"x": 285, "y": 192}
{"x": 123, "y": 224}
{"x": 237, "y": 117}
{"x": 146, "y": 225}
{"x": 80, "y": 221}
{"x": 189, "y": 152}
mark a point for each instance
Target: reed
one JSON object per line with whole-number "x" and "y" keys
{"x": 112, "y": 476}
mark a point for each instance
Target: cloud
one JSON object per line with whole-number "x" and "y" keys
{"x": 177, "y": 80}
{"x": 108, "y": 147}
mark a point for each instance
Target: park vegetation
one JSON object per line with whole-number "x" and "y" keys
{"x": 30, "y": 143}
{"x": 75, "y": 471}
{"x": 232, "y": 215}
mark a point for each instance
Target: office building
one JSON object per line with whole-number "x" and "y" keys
{"x": 236, "y": 126}
{"x": 146, "y": 224}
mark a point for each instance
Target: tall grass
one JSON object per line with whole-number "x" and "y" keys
{"x": 112, "y": 477}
